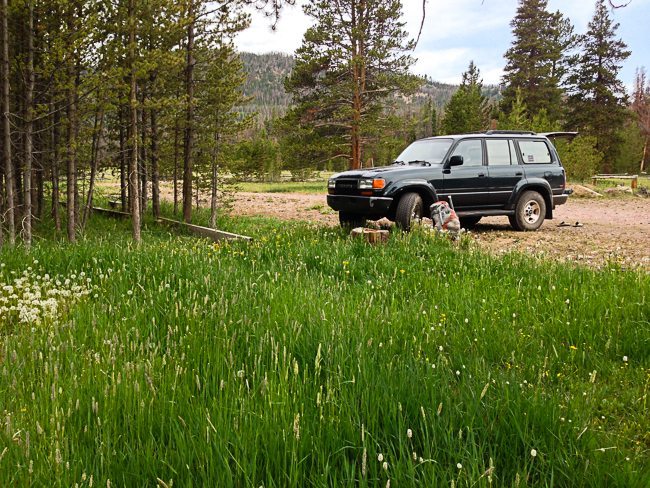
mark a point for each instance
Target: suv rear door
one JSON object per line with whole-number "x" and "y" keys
{"x": 504, "y": 170}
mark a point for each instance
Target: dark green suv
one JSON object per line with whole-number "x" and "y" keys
{"x": 518, "y": 174}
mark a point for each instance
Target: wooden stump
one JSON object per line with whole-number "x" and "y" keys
{"x": 371, "y": 236}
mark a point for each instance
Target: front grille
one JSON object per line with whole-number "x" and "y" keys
{"x": 347, "y": 187}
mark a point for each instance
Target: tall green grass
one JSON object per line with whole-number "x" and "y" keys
{"x": 303, "y": 357}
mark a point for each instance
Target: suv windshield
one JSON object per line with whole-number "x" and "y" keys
{"x": 429, "y": 150}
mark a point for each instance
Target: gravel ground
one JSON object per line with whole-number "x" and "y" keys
{"x": 613, "y": 229}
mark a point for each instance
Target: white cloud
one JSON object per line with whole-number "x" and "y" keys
{"x": 443, "y": 63}
{"x": 456, "y": 21}
{"x": 286, "y": 38}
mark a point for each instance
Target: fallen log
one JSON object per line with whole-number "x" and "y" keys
{"x": 207, "y": 232}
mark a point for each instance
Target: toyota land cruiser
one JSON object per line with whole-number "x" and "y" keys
{"x": 512, "y": 173}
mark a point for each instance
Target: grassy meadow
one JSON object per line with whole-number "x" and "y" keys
{"x": 307, "y": 359}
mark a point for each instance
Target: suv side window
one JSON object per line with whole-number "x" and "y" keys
{"x": 471, "y": 150}
{"x": 535, "y": 152}
{"x": 499, "y": 152}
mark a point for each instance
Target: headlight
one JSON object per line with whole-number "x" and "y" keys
{"x": 365, "y": 184}
{"x": 372, "y": 184}
{"x": 331, "y": 183}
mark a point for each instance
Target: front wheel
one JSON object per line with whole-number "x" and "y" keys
{"x": 530, "y": 212}
{"x": 409, "y": 210}
{"x": 351, "y": 221}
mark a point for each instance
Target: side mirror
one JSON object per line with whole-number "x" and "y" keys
{"x": 456, "y": 160}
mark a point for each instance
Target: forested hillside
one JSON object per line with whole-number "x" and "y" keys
{"x": 265, "y": 74}
{"x": 268, "y": 98}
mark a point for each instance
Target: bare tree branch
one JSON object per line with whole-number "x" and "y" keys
{"x": 424, "y": 13}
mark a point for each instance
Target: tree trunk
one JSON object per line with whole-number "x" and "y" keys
{"x": 71, "y": 157}
{"x": 72, "y": 124}
{"x": 123, "y": 164}
{"x": 142, "y": 166}
{"x": 56, "y": 136}
{"x": 38, "y": 193}
{"x": 215, "y": 174}
{"x": 176, "y": 137}
{"x": 645, "y": 154}
{"x": 29, "y": 129}
{"x": 133, "y": 129}
{"x": 95, "y": 157}
{"x": 189, "y": 119}
{"x": 358, "y": 78}
{"x": 155, "y": 174}
{"x": 6, "y": 128}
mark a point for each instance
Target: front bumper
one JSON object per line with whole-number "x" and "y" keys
{"x": 368, "y": 206}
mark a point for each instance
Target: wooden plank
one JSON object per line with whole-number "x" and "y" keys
{"x": 213, "y": 234}
{"x": 634, "y": 179}
{"x": 615, "y": 177}
{"x": 198, "y": 230}
{"x": 112, "y": 212}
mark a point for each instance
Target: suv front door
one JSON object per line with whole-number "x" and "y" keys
{"x": 467, "y": 184}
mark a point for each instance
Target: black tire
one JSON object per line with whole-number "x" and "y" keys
{"x": 409, "y": 209}
{"x": 350, "y": 221}
{"x": 469, "y": 222}
{"x": 530, "y": 212}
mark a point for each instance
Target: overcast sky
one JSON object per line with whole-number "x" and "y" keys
{"x": 457, "y": 31}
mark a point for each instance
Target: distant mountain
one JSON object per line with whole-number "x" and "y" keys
{"x": 265, "y": 84}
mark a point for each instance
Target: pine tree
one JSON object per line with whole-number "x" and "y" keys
{"x": 351, "y": 60}
{"x": 6, "y": 128}
{"x": 537, "y": 59}
{"x": 597, "y": 99}
{"x": 468, "y": 110}
{"x": 428, "y": 119}
{"x": 517, "y": 116}
{"x": 641, "y": 108}
{"x": 216, "y": 105}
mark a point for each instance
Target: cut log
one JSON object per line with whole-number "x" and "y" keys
{"x": 373, "y": 236}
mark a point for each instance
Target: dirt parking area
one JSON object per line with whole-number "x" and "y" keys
{"x": 613, "y": 229}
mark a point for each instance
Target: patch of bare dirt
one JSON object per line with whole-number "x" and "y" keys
{"x": 613, "y": 230}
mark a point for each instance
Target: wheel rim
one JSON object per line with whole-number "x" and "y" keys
{"x": 532, "y": 212}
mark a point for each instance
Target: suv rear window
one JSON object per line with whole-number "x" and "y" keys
{"x": 500, "y": 152}
{"x": 535, "y": 152}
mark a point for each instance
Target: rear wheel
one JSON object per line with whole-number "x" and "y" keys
{"x": 469, "y": 222}
{"x": 530, "y": 212}
{"x": 350, "y": 221}
{"x": 409, "y": 210}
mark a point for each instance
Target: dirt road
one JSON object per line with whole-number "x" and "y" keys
{"x": 613, "y": 230}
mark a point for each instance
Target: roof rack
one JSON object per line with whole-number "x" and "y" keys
{"x": 521, "y": 132}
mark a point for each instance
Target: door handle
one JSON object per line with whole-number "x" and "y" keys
{"x": 519, "y": 173}
{"x": 481, "y": 175}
